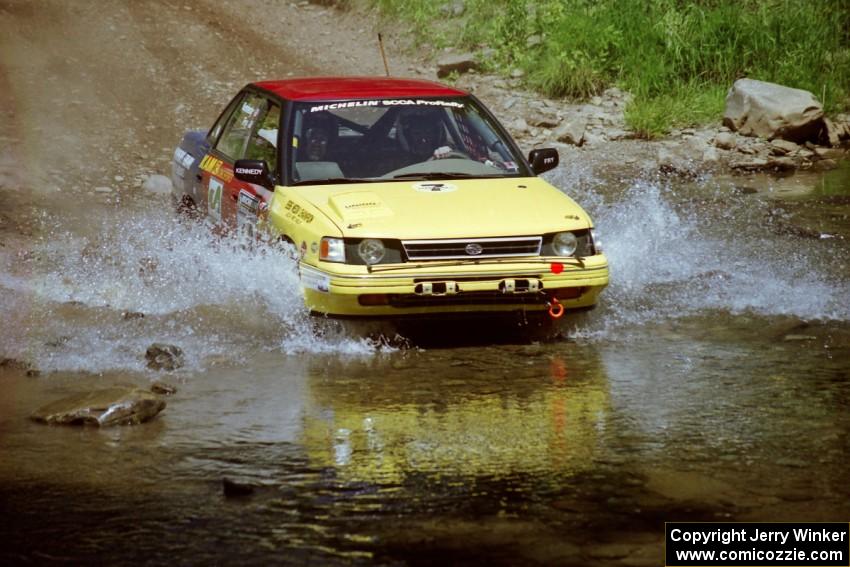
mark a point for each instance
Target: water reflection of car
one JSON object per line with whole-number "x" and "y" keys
{"x": 384, "y": 422}
{"x": 401, "y": 197}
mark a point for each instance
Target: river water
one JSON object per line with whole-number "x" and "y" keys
{"x": 712, "y": 383}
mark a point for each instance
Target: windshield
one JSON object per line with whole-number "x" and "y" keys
{"x": 383, "y": 140}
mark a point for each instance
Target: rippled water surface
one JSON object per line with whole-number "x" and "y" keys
{"x": 712, "y": 383}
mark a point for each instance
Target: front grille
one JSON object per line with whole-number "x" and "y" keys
{"x": 466, "y": 248}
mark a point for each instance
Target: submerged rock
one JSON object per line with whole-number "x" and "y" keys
{"x": 800, "y": 338}
{"x": 768, "y": 110}
{"x": 825, "y": 165}
{"x": 161, "y": 356}
{"x": 234, "y": 489}
{"x": 111, "y": 406}
{"x": 20, "y": 365}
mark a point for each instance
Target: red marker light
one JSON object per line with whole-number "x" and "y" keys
{"x": 556, "y": 267}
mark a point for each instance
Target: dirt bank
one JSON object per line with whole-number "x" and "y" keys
{"x": 96, "y": 95}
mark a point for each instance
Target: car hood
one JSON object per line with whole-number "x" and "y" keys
{"x": 447, "y": 209}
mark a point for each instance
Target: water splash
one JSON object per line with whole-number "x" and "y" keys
{"x": 95, "y": 299}
{"x": 676, "y": 252}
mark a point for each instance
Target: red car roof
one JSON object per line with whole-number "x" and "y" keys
{"x": 344, "y": 88}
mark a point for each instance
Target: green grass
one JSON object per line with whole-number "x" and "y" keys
{"x": 678, "y": 58}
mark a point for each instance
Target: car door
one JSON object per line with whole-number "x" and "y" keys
{"x": 250, "y": 130}
{"x": 251, "y": 199}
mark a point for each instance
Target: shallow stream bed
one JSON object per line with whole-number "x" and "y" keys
{"x": 712, "y": 383}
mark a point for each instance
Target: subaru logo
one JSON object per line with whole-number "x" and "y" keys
{"x": 474, "y": 249}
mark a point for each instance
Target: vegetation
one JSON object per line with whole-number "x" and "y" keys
{"x": 677, "y": 58}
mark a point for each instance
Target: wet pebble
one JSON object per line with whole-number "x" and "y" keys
{"x": 743, "y": 190}
{"x": 57, "y": 342}
{"x": 163, "y": 388}
{"x": 162, "y": 356}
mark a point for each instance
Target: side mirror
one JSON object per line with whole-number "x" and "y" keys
{"x": 254, "y": 171}
{"x": 543, "y": 160}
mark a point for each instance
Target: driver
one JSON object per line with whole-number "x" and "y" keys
{"x": 317, "y": 134}
{"x": 423, "y": 136}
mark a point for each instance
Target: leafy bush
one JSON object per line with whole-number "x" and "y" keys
{"x": 678, "y": 58}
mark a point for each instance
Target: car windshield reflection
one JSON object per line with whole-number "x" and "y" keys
{"x": 385, "y": 140}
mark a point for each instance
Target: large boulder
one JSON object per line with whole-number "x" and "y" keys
{"x": 768, "y": 110}
{"x": 571, "y": 131}
{"x": 452, "y": 63}
{"x": 110, "y": 406}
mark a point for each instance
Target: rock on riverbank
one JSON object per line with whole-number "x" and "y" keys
{"x": 596, "y": 131}
{"x": 110, "y": 406}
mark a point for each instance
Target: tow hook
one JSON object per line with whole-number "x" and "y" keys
{"x": 556, "y": 310}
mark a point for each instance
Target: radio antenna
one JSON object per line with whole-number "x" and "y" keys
{"x": 383, "y": 55}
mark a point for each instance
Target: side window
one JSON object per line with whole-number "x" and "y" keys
{"x": 263, "y": 143}
{"x": 234, "y": 139}
{"x": 222, "y": 120}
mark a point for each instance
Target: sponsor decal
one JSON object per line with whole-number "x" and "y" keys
{"x": 386, "y": 102}
{"x": 434, "y": 187}
{"x": 214, "y": 198}
{"x": 183, "y": 158}
{"x": 215, "y": 166}
{"x": 303, "y": 248}
{"x": 249, "y": 170}
{"x": 296, "y": 213}
{"x": 248, "y": 203}
{"x": 314, "y": 247}
{"x": 247, "y": 209}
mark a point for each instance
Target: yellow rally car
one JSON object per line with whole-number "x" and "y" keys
{"x": 401, "y": 197}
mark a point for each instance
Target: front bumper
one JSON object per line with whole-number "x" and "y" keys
{"x": 466, "y": 286}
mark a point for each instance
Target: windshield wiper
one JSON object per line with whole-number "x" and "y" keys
{"x": 334, "y": 181}
{"x": 436, "y": 176}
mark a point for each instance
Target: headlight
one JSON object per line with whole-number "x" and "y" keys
{"x": 371, "y": 250}
{"x": 332, "y": 249}
{"x": 565, "y": 244}
{"x": 597, "y": 245}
